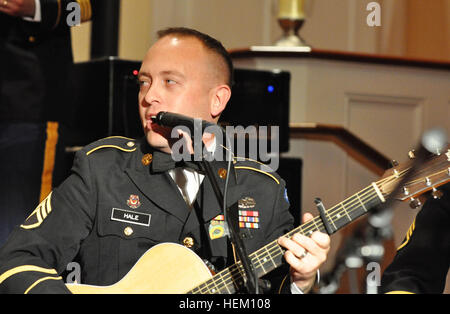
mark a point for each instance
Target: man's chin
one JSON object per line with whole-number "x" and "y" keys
{"x": 157, "y": 141}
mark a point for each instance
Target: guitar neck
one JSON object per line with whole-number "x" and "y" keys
{"x": 270, "y": 256}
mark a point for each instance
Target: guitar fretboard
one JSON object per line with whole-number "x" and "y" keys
{"x": 270, "y": 256}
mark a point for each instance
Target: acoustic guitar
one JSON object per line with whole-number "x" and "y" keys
{"x": 171, "y": 268}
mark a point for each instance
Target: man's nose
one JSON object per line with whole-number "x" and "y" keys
{"x": 152, "y": 95}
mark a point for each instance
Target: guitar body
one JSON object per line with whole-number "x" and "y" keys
{"x": 167, "y": 268}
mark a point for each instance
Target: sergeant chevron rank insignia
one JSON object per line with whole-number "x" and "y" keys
{"x": 39, "y": 214}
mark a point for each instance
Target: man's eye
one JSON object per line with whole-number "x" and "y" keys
{"x": 170, "y": 82}
{"x": 144, "y": 83}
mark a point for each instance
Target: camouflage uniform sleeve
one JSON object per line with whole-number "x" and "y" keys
{"x": 38, "y": 251}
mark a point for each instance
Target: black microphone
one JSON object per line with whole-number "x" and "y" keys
{"x": 169, "y": 119}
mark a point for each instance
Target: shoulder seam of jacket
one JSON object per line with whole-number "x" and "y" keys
{"x": 118, "y": 136}
{"x": 258, "y": 170}
{"x": 110, "y": 146}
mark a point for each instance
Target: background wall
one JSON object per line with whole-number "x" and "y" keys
{"x": 411, "y": 28}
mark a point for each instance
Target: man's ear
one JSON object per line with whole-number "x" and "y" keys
{"x": 219, "y": 99}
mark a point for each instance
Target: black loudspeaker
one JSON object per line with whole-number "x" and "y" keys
{"x": 290, "y": 169}
{"x": 104, "y": 99}
{"x": 260, "y": 98}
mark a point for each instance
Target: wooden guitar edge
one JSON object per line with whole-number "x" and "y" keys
{"x": 166, "y": 268}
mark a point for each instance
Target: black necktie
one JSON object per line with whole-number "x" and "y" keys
{"x": 163, "y": 162}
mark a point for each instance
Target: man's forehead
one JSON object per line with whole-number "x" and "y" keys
{"x": 173, "y": 40}
{"x": 178, "y": 42}
{"x": 186, "y": 54}
{"x": 174, "y": 51}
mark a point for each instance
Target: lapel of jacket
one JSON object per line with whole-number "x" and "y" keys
{"x": 158, "y": 187}
{"x": 161, "y": 190}
{"x": 208, "y": 202}
{"x": 210, "y": 205}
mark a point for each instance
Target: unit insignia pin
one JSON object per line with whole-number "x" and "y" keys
{"x": 133, "y": 201}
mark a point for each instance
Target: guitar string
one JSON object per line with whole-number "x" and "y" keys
{"x": 426, "y": 169}
{"x": 227, "y": 279}
{"x": 275, "y": 246}
{"x": 268, "y": 252}
{"x": 421, "y": 179}
{"x": 312, "y": 223}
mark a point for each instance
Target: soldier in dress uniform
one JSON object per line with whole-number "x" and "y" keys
{"x": 423, "y": 259}
{"x": 35, "y": 62}
{"x": 124, "y": 196}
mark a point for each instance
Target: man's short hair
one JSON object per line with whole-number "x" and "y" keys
{"x": 209, "y": 42}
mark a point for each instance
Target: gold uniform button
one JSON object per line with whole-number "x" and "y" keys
{"x": 222, "y": 173}
{"x": 147, "y": 159}
{"x": 128, "y": 231}
{"x": 188, "y": 242}
{"x": 130, "y": 144}
{"x": 31, "y": 39}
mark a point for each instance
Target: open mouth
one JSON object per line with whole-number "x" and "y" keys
{"x": 148, "y": 123}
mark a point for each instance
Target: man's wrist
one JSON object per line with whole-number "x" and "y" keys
{"x": 297, "y": 290}
{"x": 37, "y": 17}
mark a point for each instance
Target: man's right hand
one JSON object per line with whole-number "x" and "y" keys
{"x": 21, "y": 8}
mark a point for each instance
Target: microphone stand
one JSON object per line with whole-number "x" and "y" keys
{"x": 231, "y": 214}
{"x": 232, "y": 221}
